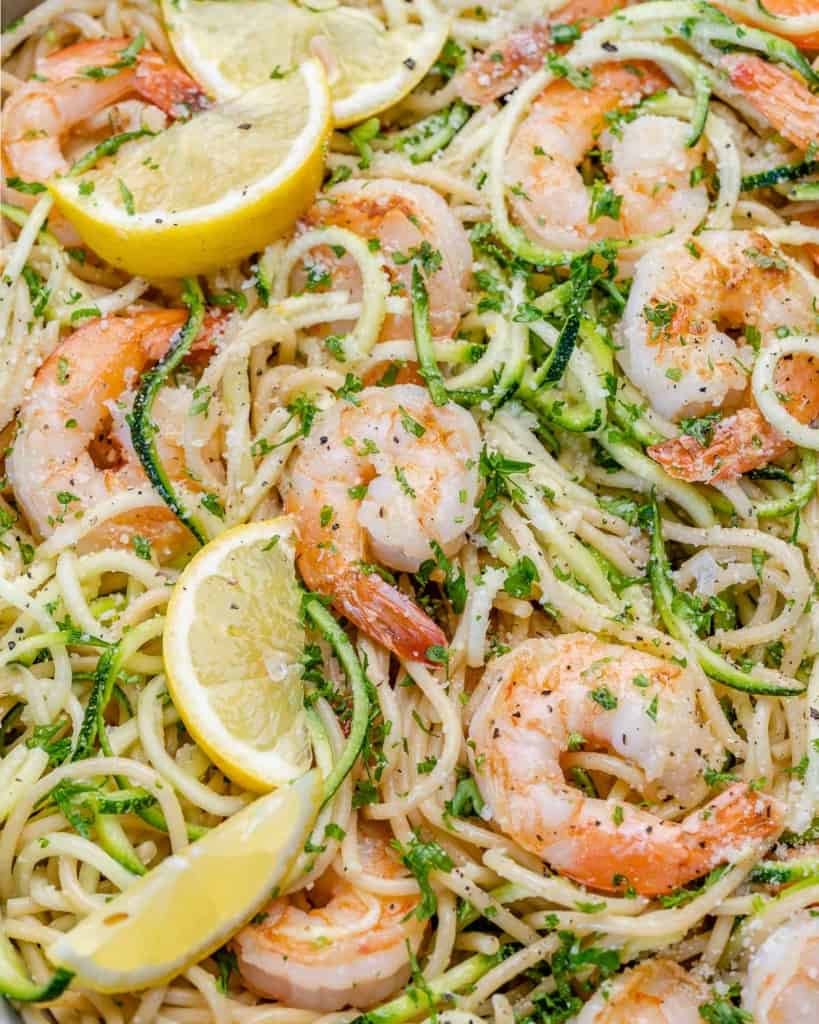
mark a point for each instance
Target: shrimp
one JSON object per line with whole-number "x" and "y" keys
{"x": 502, "y": 67}
{"x": 654, "y": 992}
{"x": 685, "y": 299}
{"x": 338, "y": 945}
{"x": 782, "y": 985}
{"x": 646, "y": 159}
{"x": 402, "y": 217}
{"x": 781, "y": 98}
{"x": 385, "y": 476}
{"x": 73, "y": 448}
{"x": 782, "y": 11}
{"x": 634, "y": 705}
{"x": 38, "y": 116}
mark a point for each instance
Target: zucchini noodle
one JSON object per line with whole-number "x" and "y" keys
{"x": 765, "y": 390}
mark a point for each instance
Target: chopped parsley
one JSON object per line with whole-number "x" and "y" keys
{"x": 412, "y": 426}
{"x": 701, "y": 428}
{"x": 496, "y": 471}
{"x": 127, "y": 197}
{"x": 421, "y": 859}
{"x": 580, "y": 78}
{"x": 603, "y": 696}
{"x": 467, "y": 800}
{"x": 141, "y": 546}
{"x": 520, "y": 578}
{"x": 400, "y": 476}
{"x": 605, "y": 202}
{"x": 660, "y": 315}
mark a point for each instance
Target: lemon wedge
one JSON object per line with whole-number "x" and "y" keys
{"x": 193, "y": 902}
{"x": 233, "y": 45}
{"x": 232, "y": 646}
{"x": 209, "y": 191}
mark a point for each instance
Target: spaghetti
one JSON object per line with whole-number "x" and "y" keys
{"x": 513, "y": 248}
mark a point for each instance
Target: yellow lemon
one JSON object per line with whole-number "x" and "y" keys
{"x": 232, "y": 645}
{"x": 233, "y": 45}
{"x": 209, "y": 191}
{"x": 192, "y": 902}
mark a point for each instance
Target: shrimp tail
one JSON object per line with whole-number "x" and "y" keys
{"x": 745, "y": 440}
{"x": 503, "y": 67}
{"x": 168, "y": 87}
{"x": 165, "y": 85}
{"x": 672, "y": 855}
{"x": 157, "y": 340}
{"x": 785, "y": 102}
{"x": 387, "y": 615}
{"x": 740, "y": 443}
{"x": 488, "y": 77}
{"x": 737, "y": 817}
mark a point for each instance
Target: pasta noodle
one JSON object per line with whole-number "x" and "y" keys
{"x": 567, "y": 306}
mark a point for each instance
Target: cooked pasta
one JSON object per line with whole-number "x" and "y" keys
{"x": 534, "y": 379}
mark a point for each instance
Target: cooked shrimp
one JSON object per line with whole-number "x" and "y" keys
{"x": 504, "y": 66}
{"x": 383, "y": 477}
{"x": 70, "y": 418}
{"x": 402, "y": 217}
{"x": 782, "y": 985}
{"x": 647, "y": 162}
{"x": 38, "y": 116}
{"x": 781, "y": 98}
{"x": 654, "y": 992}
{"x": 685, "y": 299}
{"x": 336, "y": 945}
{"x": 782, "y": 10}
{"x": 626, "y": 702}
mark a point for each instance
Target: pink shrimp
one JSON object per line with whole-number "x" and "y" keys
{"x": 402, "y": 217}
{"x": 383, "y": 478}
{"x": 632, "y": 704}
{"x": 654, "y": 992}
{"x": 81, "y": 80}
{"x": 782, "y": 10}
{"x": 647, "y": 163}
{"x": 503, "y": 66}
{"x": 782, "y": 984}
{"x": 778, "y": 95}
{"x": 338, "y": 946}
{"x": 68, "y": 456}
{"x": 685, "y": 299}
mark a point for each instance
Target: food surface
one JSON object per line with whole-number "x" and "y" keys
{"x": 409, "y": 529}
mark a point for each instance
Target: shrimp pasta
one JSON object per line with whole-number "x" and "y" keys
{"x": 463, "y": 535}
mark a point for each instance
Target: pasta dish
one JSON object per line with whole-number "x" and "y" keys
{"x": 409, "y": 532}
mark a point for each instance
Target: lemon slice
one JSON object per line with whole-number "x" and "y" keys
{"x": 209, "y": 191}
{"x": 232, "y": 645}
{"x": 233, "y": 45}
{"x": 192, "y": 902}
